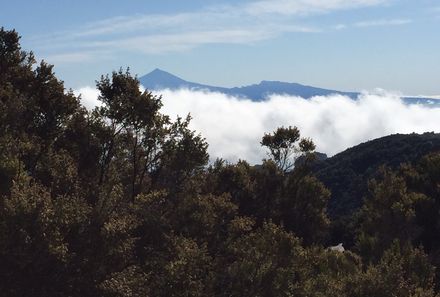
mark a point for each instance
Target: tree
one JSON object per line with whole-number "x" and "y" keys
{"x": 424, "y": 177}
{"x": 266, "y": 262}
{"x": 153, "y": 148}
{"x": 134, "y": 117}
{"x": 388, "y": 214}
{"x": 402, "y": 271}
{"x": 303, "y": 208}
{"x": 33, "y": 250}
{"x": 237, "y": 180}
{"x": 285, "y": 145}
{"x": 184, "y": 156}
{"x": 119, "y": 202}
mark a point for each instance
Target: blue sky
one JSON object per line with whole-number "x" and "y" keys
{"x": 339, "y": 44}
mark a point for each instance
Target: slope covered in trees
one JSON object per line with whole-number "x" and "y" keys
{"x": 346, "y": 174}
{"x": 121, "y": 201}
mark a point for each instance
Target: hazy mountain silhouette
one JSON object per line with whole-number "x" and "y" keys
{"x": 159, "y": 80}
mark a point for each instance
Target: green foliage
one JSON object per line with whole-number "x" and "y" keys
{"x": 331, "y": 272}
{"x": 285, "y": 145}
{"x": 188, "y": 271}
{"x": 401, "y": 272}
{"x": 296, "y": 200}
{"x": 120, "y": 202}
{"x": 303, "y": 208}
{"x": 347, "y": 174}
{"x": 388, "y": 214}
{"x": 35, "y": 248}
{"x": 156, "y": 152}
{"x": 267, "y": 262}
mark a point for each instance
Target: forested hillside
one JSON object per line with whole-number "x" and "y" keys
{"x": 346, "y": 174}
{"x": 122, "y": 201}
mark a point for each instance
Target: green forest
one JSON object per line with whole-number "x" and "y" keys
{"x": 124, "y": 201}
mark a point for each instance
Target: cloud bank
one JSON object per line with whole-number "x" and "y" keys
{"x": 88, "y": 97}
{"x": 233, "y": 127}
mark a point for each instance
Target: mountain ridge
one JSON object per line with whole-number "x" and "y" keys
{"x": 159, "y": 79}
{"x": 346, "y": 174}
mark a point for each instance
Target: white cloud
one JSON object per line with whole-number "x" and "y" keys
{"x": 374, "y": 23}
{"x": 377, "y": 23}
{"x": 251, "y": 22}
{"x": 68, "y": 58}
{"x": 233, "y": 127}
{"x": 340, "y": 26}
{"x": 127, "y": 24}
{"x": 77, "y": 48}
{"x": 89, "y": 97}
{"x": 305, "y": 7}
{"x": 163, "y": 43}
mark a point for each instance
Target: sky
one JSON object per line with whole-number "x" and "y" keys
{"x": 350, "y": 45}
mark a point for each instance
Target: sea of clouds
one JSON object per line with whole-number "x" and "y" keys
{"x": 233, "y": 127}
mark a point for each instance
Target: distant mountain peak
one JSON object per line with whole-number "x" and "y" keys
{"x": 159, "y": 79}
{"x": 159, "y": 71}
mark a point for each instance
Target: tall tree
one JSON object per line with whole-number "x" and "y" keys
{"x": 286, "y": 145}
{"x": 150, "y": 142}
{"x": 388, "y": 214}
